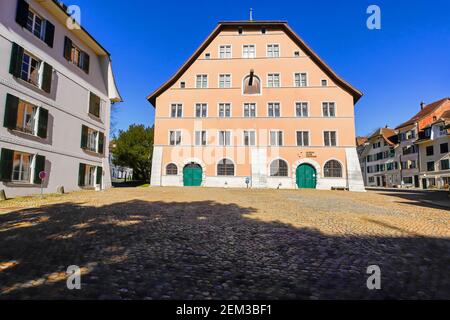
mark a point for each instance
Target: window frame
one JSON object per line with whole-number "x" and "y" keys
{"x": 202, "y": 115}
{"x": 203, "y": 75}
{"x": 334, "y": 176}
{"x": 328, "y": 109}
{"x": 218, "y": 110}
{"x": 254, "y": 51}
{"x": 167, "y": 169}
{"x": 273, "y": 45}
{"x": 178, "y": 105}
{"x": 243, "y": 138}
{"x": 231, "y": 51}
{"x": 176, "y": 131}
{"x": 274, "y": 114}
{"x": 203, "y": 138}
{"x": 303, "y": 138}
{"x": 225, "y": 164}
{"x": 272, "y": 74}
{"x": 256, "y": 110}
{"x": 279, "y": 175}
{"x": 225, "y": 138}
{"x": 33, "y": 27}
{"x": 307, "y": 107}
{"x": 30, "y": 169}
{"x": 278, "y": 131}
{"x": 225, "y": 82}
{"x": 295, "y": 79}
{"x": 336, "y": 138}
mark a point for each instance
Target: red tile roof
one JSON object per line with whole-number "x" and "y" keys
{"x": 427, "y": 110}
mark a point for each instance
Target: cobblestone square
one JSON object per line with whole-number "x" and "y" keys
{"x": 197, "y": 243}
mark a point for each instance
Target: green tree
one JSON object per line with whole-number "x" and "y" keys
{"x": 134, "y": 149}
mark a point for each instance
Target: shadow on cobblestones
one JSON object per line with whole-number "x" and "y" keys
{"x": 204, "y": 250}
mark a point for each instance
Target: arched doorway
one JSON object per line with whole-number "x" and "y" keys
{"x": 192, "y": 175}
{"x": 306, "y": 177}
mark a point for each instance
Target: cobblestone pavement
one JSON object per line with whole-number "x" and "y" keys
{"x": 173, "y": 243}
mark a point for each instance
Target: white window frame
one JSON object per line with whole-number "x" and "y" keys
{"x": 202, "y": 76}
{"x": 40, "y": 65}
{"x": 307, "y": 79}
{"x": 279, "y": 107}
{"x": 178, "y": 105}
{"x": 231, "y": 51}
{"x": 278, "y": 140}
{"x": 273, "y": 45}
{"x": 218, "y": 138}
{"x": 243, "y": 138}
{"x": 326, "y": 83}
{"x": 201, "y": 140}
{"x": 181, "y": 137}
{"x": 31, "y": 168}
{"x": 201, "y": 110}
{"x": 225, "y": 82}
{"x": 256, "y": 110}
{"x": 335, "y": 109}
{"x": 323, "y": 138}
{"x": 218, "y": 110}
{"x": 273, "y": 74}
{"x": 295, "y": 109}
{"x": 303, "y": 140}
{"x": 33, "y": 27}
{"x": 243, "y": 51}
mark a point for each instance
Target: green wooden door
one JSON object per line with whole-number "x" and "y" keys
{"x": 306, "y": 177}
{"x": 192, "y": 175}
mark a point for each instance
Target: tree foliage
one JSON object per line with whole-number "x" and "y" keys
{"x": 134, "y": 149}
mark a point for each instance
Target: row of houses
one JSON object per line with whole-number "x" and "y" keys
{"x": 415, "y": 154}
{"x": 56, "y": 91}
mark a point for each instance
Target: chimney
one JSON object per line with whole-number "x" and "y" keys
{"x": 422, "y": 105}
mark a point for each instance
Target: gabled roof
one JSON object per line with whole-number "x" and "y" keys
{"x": 236, "y": 24}
{"x": 361, "y": 140}
{"x": 427, "y": 110}
{"x": 388, "y": 134}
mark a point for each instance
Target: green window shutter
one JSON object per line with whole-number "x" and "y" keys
{"x": 22, "y": 12}
{"x": 101, "y": 143}
{"x": 86, "y": 62}
{"x": 42, "y": 123}
{"x": 6, "y": 164}
{"x": 16, "y": 60}
{"x": 94, "y": 105}
{"x": 47, "y": 78}
{"x": 81, "y": 174}
{"x": 49, "y": 33}
{"x": 12, "y": 104}
{"x": 84, "y": 136}
{"x": 99, "y": 175}
{"x": 67, "y": 48}
{"x": 39, "y": 166}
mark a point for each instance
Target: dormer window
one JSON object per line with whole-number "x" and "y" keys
{"x": 252, "y": 84}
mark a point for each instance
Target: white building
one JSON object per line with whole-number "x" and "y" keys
{"x": 56, "y": 90}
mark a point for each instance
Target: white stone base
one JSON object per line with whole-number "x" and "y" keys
{"x": 155, "y": 180}
{"x": 355, "y": 178}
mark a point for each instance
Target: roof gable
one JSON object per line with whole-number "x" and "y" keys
{"x": 235, "y": 24}
{"x": 427, "y": 110}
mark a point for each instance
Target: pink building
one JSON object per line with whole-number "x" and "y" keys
{"x": 255, "y": 106}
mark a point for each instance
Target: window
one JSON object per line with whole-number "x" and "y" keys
{"x": 75, "y": 55}
{"x": 407, "y": 180}
{"x": 445, "y": 165}
{"x": 224, "y": 138}
{"x": 329, "y": 138}
{"x": 329, "y": 109}
{"x": 249, "y": 138}
{"x": 430, "y": 166}
{"x": 225, "y": 52}
{"x": 224, "y": 110}
{"x": 302, "y": 138}
{"x": 27, "y": 115}
{"x": 240, "y": 30}
{"x": 273, "y": 51}
{"x": 175, "y": 138}
{"x": 274, "y": 110}
{"x": 430, "y": 150}
{"x": 301, "y": 109}
{"x": 276, "y": 138}
{"x": 296, "y": 53}
{"x": 176, "y": 110}
{"x": 21, "y": 167}
{"x": 444, "y": 147}
{"x": 333, "y": 169}
{"x": 35, "y": 24}
{"x": 200, "y": 138}
{"x": 249, "y": 110}
{"x": 30, "y": 69}
{"x": 201, "y": 110}
{"x": 248, "y": 51}
{"x": 89, "y": 176}
{"x": 278, "y": 168}
{"x": 182, "y": 84}
{"x": 252, "y": 84}
{"x": 225, "y": 168}
{"x": 273, "y": 80}
{"x": 171, "y": 169}
{"x": 324, "y": 82}
{"x": 92, "y": 140}
{"x": 208, "y": 55}
{"x": 202, "y": 81}
{"x": 225, "y": 81}
{"x": 94, "y": 105}
{"x": 301, "y": 80}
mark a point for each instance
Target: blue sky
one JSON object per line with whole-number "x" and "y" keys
{"x": 405, "y": 62}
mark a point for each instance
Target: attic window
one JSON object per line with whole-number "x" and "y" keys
{"x": 263, "y": 30}
{"x": 182, "y": 84}
{"x": 297, "y": 54}
{"x": 208, "y": 55}
{"x": 240, "y": 30}
{"x": 324, "y": 82}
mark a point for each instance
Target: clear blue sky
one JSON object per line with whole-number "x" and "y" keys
{"x": 405, "y": 62}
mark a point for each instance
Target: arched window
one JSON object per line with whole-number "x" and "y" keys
{"x": 279, "y": 168}
{"x": 333, "y": 169}
{"x": 252, "y": 84}
{"x": 225, "y": 168}
{"x": 171, "y": 169}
